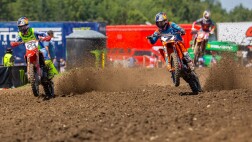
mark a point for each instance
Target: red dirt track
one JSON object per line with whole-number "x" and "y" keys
{"x": 132, "y": 105}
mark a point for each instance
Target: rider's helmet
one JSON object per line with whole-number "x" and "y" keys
{"x": 23, "y": 24}
{"x": 9, "y": 50}
{"x": 206, "y": 15}
{"x": 161, "y": 20}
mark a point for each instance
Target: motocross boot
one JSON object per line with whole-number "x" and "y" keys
{"x": 188, "y": 60}
{"x": 44, "y": 73}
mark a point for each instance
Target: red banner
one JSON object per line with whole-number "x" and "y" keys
{"x": 249, "y": 32}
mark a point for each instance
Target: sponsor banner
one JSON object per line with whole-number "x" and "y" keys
{"x": 9, "y": 32}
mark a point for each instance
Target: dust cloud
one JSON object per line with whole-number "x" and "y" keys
{"x": 228, "y": 74}
{"x": 81, "y": 80}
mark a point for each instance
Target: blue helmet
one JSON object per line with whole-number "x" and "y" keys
{"x": 161, "y": 20}
{"x": 23, "y": 24}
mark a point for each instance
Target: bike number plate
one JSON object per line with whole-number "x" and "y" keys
{"x": 31, "y": 45}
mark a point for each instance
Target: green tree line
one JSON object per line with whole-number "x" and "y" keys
{"x": 119, "y": 11}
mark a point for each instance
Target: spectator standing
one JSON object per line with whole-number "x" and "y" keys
{"x": 8, "y": 58}
{"x": 50, "y": 46}
{"x": 9, "y": 62}
{"x": 62, "y": 65}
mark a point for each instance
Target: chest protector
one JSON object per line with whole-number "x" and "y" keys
{"x": 29, "y": 36}
{"x": 206, "y": 25}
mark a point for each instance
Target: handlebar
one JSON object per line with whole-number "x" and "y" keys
{"x": 159, "y": 35}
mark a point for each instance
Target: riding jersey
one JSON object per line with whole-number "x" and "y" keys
{"x": 172, "y": 29}
{"x": 205, "y": 24}
{"x": 33, "y": 35}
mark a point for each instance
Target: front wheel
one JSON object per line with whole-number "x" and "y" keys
{"x": 34, "y": 80}
{"x": 176, "y": 72}
{"x": 197, "y": 53}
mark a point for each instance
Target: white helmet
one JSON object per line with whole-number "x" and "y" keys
{"x": 206, "y": 15}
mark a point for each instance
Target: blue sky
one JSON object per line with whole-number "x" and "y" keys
{"x": 230, "y": 4}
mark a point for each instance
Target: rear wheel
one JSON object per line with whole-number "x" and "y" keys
{"x": 34, "y": 80}
{"x": 176, "y": 72}
{"x": 47, "y": 84}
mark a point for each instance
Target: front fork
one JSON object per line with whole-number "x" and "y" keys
{"x": 166, "y": 55}
{"x": 201, "y": 47}
{"x": 38, "y": 66}
{"x": 28, "y": 68}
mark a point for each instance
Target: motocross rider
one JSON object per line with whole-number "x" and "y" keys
{"x": 206, "y": 24}
{"x": 26, "y": 34}
{"x": 165, "y": 27}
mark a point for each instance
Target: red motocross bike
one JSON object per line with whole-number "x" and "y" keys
{"x": 172, "y": 53}
{"x": 35, "y": 74}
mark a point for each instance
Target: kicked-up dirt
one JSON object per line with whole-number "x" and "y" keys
{"x": 132, "y": 105}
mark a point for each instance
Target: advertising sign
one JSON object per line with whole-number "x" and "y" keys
{"x": 9, "y": 32}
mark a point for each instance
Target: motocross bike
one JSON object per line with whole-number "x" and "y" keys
{"x": 36, "y": 75}
{"x": 178, "y": 63}
{"x": 199, "y": 44}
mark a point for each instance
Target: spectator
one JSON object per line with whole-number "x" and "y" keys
{"x": 8, "y": 58}
{"x": 9, "y": 62}
{"x": 62, "y": 65}
{"x": 49, "y": 45}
